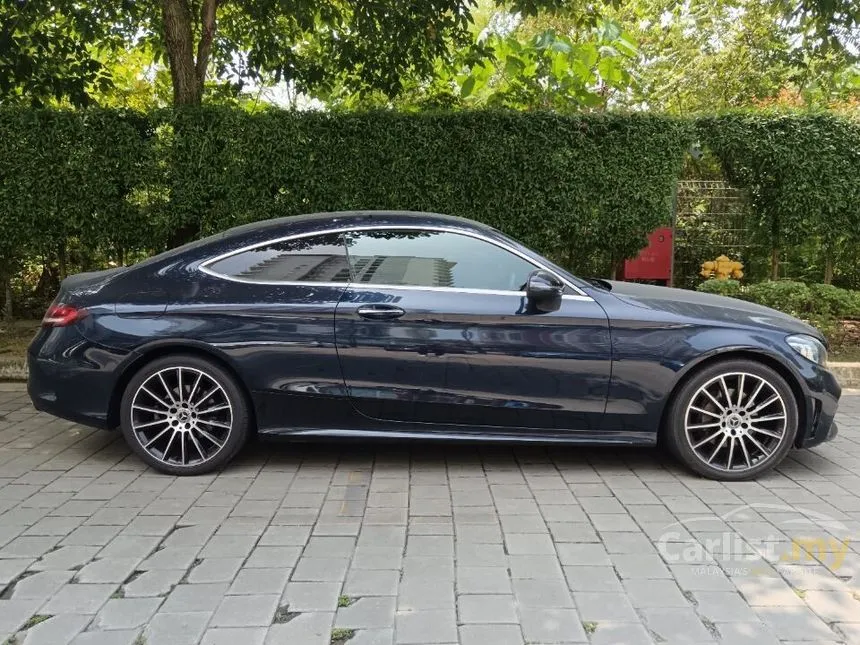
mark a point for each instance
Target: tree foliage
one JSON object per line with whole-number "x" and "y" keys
{"x": 51, "y": 49}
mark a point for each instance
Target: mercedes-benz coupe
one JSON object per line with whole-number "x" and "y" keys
{"x": 414, "y": 325}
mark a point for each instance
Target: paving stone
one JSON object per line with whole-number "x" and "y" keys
{"x": 129, "y": 546}
{"x": 105, "y": 570}
{"x": 371, "y": 582}
{"x": 78, "y": 599}
{"x": 798, "y": 623}
{"x": 754, "y": 633}
{"x": 426, "y": 626}
{"x": 234, "y": 636}
{"x": 367, "y": 613}
{"x": 245, "y": 611}
{"x": 609, "y": 633}
{"x": 644, "y": 593}
{"x": 723, "y": 606}
{"x": 551, "y": 593}
{"x": 176, "y": 629}
{"x": 487, "y": 634}
{"x": 153, "y": 583}
{"x": 597, "y": 607}
{"x": 384, "y": 636}
{"x": 195, "y": 597}
{"x": 493, "y": 580}
{"x": 486, "y": 608}
{"x": 126, "y": 613}
{"x": 41, "y": 585}
{"x": 58, "y": 630}
{"x": 834, "y": 606}
{"x": 418, "y": 595}
{"x": 311, "y": 596}
{"x": 320, "y": 569}
{"x": 115, "y": 637}
{"x": 260, "y": 581}
{"x": 15, "y": 612}
{"x": 273, "y": 556}
{"x": 552, "y": 626}
{"x": 215, "y": 570}
{"x": 311, "y": 628}
{"x": 676, "y": 624}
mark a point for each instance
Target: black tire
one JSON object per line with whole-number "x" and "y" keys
{"x": 197, "y": 437}
{"x": 676, "y": 434}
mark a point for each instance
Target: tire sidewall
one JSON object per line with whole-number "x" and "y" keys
{"x": 238, "y": 433}
{"x": 676, "y": 434}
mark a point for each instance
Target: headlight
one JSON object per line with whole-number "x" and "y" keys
{"x": 808, "y": 347}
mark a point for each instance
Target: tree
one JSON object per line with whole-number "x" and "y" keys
{"x": 51, "y": 49}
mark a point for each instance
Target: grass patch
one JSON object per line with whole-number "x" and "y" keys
{"x": 35, "y": 619}
{"x": 339, "y": 636}
{"x": 589, "y": 626}
{"x": 345, "y": 601}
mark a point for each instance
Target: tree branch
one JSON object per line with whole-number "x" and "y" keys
{"x": 207, "y": 34}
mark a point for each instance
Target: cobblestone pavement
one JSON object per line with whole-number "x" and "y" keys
{"x": 309, "y": 544}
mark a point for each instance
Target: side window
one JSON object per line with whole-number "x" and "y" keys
{"x": 434, "y": 259}
{"x": 321, "y": 258}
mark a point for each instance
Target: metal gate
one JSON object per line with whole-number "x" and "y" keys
{"x": 711, "y": 219}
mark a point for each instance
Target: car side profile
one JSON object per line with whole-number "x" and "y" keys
{"x": 404, "y": 325}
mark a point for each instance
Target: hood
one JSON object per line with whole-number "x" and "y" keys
{"x": 707, "y": 306}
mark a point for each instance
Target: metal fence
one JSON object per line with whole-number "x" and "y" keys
{"x": 711, "y": 219}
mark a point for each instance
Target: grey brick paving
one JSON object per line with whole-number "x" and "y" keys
{"x": 420, "y": 544}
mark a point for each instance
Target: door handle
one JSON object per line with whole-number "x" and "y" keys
{"x": 379, "y": 312}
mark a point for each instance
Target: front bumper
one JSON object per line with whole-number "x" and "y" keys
{"x": 822, "y": 401}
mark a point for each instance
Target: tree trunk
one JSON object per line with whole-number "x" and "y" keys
{"x": 178, "y": 40}
{"x": 774, "y": 264}
{"x": 828, "y": 267}
{"x": 7, "y": 304}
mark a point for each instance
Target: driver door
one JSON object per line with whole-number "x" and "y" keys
{"x": 434, "y": 328}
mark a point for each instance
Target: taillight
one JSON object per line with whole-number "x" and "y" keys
{"x": 60, "y": 315}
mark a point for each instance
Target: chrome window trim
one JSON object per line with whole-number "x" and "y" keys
{"x": 204, "y": 266}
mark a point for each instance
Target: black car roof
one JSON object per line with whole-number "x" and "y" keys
{"x": 349, "y": 218}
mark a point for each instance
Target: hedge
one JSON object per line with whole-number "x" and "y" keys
{"x": 86, "y": 187}
{"x": 823, "y": 305}
{"x": 800, "y": 171}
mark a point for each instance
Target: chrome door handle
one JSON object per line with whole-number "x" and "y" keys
{"x": 379, "y": 312}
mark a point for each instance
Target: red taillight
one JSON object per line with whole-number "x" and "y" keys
{"x": 61, "y": 315}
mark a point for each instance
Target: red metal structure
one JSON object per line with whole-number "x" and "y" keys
{"x": 654, "y": 262}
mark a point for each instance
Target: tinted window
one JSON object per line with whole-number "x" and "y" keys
{"x": 434, "y": 259}
{"x": 321, "y": 258}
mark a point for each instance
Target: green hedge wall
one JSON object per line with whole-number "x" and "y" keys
{"x": 801, "y": 171}
{"x": 571, "y": 186}
{"x": 81, "y": 188}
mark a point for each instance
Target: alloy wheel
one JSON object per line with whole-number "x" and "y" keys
{"x": 181, "y": 416}
{"x": 735, "y": 421}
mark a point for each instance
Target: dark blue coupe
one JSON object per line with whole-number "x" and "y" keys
{"x": 399, "y": 325}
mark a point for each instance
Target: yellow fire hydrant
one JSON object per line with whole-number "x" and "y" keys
{"x": 722, "y": 269}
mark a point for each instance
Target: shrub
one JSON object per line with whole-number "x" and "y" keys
{"x": 793, "y": 298}
{"x": 730, "y": 288}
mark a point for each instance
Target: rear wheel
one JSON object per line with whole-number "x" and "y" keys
{"x": 184, "y": 415}
{"x": 733, "y": 420}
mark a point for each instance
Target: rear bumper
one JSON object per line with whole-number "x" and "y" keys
{"x": 71, "y": 378}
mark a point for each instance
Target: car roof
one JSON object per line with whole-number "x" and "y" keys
{"x": 326, "y": 220}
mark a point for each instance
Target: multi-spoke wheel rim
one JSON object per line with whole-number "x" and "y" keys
{"x": 736, "y": 421}
{"x": 181, "y": 416}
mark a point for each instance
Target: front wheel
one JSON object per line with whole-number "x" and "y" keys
{"x": 184, "y": 415}
{"x": 733, "y": 420}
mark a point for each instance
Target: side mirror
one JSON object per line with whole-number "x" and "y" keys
{"x": 543, "y": 291}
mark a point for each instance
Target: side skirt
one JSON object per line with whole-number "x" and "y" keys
{"x": 580, "y": 438}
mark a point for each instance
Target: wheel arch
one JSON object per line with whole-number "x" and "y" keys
{"x": 751, "y": 354}
{"x": 152, "y": 352}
